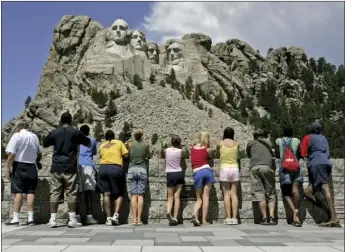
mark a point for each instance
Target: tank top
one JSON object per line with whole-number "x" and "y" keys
{"x": 137, "y": 153}
{"x": 173, "y": 159}
{"x": 199, "y": 157}
{"x": 228, "y": 156}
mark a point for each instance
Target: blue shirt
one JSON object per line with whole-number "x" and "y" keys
{"x": 86, "y": 153}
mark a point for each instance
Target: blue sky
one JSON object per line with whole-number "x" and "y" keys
{"x": 27, "y": 31}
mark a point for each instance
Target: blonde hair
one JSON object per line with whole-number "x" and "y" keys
{"x": 138, "y": 134}
{"x": 204, "y": 139}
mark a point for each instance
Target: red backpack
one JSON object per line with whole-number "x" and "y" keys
{"x": 290, "y": 162}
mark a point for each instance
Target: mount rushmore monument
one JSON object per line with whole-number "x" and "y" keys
{"x": 106, "y": 76}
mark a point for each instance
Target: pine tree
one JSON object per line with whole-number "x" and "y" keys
{"x": 312, "y": 65}
{"x": 292, "y": 72}
{"x": 98, "y": 131}
{"x": 109, "y": 113}
{"x": 81, "y": 88}
{"x": 162, "y": 83}
{"x": 210, "y": 112}
{"x": 308, "y": 78}
{"x": 154, "y": 138}
{"x": 90, "y": 118}
{"x": 321, "y": 65}
{"x": 27, "y": 101}
{"x": 189, "y": 87}
{"x": 129, "y": 91}
{"x": 152, "y": 78}
{"x": 219, "y": 100}
{"x": 137, "y": 81}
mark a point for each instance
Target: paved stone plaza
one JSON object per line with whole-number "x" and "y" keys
{"x": 159, "y": 237}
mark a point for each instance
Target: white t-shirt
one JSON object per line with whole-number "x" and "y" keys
{"x": 25, "y": 146}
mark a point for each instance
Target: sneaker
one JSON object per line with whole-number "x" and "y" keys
{"x": 74, "y": 224}
{"x": 109, "y": 222}
{"x": 227, "y": 221}
{"x": 78, "y": 218}
{"x": 12, "y": 223}
{"x": 52, "y": 223}
{"x": 90, "y": 221}
{"x": 31, "y": 223}
{"x": 170, "y": 218}
{"x": 234, "y": 221}
{"x": 115, "y": 219}
{"x": 174, "y": 221}
{"x": 196, "y": 222}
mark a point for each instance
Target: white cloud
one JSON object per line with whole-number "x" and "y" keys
{"x": 318, "y": 27}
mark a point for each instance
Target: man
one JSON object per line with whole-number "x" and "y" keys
{"x": 315, "y": 147}
{"x": 23, "y": 153}
{"x": 64, "y": 168}
{"x": 290, "y": 182}
{"x": 262, "y": 173}
{"x": 87, "y": 174}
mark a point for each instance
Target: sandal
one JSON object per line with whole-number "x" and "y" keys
{"x": 330, "y": 224}
{"x": 139, "y": 223}
{"x": 196, "y": 222}
{"x": 297, "y": 224}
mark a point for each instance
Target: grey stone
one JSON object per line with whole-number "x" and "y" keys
{"x": 36, "y": 248}
{"x": 224, "y": 243}
{"x": 298, "y": 249}
{"x": 171, "y": 249}
{"x": 232, "y": 248}
{"x": 134, "y": 243}
{"x": 167, "y": 240}
{"x": 156, "y": 235}
{"x": 62, "y": 240}
{"x": 73, "y": 248}
{"x": 9, "y": 241}
{"x": 193, "y": 239}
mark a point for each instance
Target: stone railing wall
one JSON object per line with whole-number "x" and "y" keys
{"x": 155, "y": 198}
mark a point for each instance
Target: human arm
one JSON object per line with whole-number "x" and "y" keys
{"x": 11, "y": 150}
{"x": 149, "y": 153}
{"x": 276, "y": 148}
{"x": 94, "y": 147}
{"x": 218, "y": 150}
{"x": 185, "y": 153}
{"x": 248, "y": 150}
{"x": 210, "y": 157}
{"x": 82, "y": 139}
{"x": 124, "y": 151}
{"x": 304, "y": 146}
{"x": 48, "y": 140}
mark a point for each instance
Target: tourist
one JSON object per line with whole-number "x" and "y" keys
{"x": 202, "y": 162}
{"x": 175, "y": 176}
{"x": 111, "y": 177}
{"x": 23, "y": 152}
{"x": 227, "y": 152}
{"x": 262, "y": 174}
{"x": 315, "y": 148}
{"x": 87, "y": 176}
{"x": 64, "y": 168}
{"x": 290, "y": 181}
{"x": 139, "y": 152}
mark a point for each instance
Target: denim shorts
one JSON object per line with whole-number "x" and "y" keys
{"x": 137, "y": 178}
{"x": 203, "y": 177}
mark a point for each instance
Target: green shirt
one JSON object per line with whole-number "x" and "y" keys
{"x": 138, "y": 153}
{"x": 295, "y": 142}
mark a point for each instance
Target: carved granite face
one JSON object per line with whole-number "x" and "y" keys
{"x": 152, "y": 53}
{"x": 175, "y": 53}
{"x": 138, "y": 40}
{"x": 119, "y": 31}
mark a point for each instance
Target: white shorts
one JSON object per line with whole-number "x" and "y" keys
{"x": 87, "y": 178}
{"x": 229, "y": 175}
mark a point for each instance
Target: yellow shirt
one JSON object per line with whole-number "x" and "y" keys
{"x": 228, "y": 157}
{"x": 112, "y": 152}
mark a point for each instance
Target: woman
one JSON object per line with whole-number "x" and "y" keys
{"x": 139, "y": 152}
{"x": 227, "y": 152}
{"x": 175, "y": 176}
{"x": 111, "y": 177}
{"x": 202, "y": 161}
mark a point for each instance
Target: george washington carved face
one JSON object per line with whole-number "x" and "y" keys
{"x": 119, "y": 31}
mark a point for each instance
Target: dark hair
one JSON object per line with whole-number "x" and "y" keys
{"x": 259, "y": 133}
{"x": 175, "y": 141}
{"x": 66, "y": 118}
{"x": 85, "y": 129}
{"x": 229, "y": 133}
{"x": 288, "y": 131}
{"x": 109, "y": 135}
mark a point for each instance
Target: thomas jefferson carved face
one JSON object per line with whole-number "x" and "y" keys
{"x": 152, "y": 53}
{"x": 175, "y": 53}
{"x": 119, "y": 31}
{"x": 138, "y": 40}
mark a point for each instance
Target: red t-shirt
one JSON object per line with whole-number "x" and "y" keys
{"x": 199, "y": 157}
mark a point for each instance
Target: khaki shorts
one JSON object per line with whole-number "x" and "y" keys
{"x": 63, "y": 182}
{"x": 263, "y": 183}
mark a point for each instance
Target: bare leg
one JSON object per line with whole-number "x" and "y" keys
{"x": 234, "y": 198}
{"x": 263, "y": 206}
{"x": 178, "y": 190}
{"x": 106, "y": 204}
{"x": 227, "y": 194}
{"x": 198, "y": 202}
{"x": 118, "y": 203}
{"x": 309, "y": 193}
{"x": 327, "y": 192}
{"x": 30, "y": 198}
{"x": 140, "y": 206}
{"x": 296, "y": 201}
{"x": 170, "y": 199}
{"x": 271, "y": 207}
{"x": 18, "y": 200}
{"x": 134, "y": 205}
{"x": 205, "y": 202}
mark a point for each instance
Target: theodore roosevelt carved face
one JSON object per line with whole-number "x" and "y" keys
{"x": 152, "y": 52}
